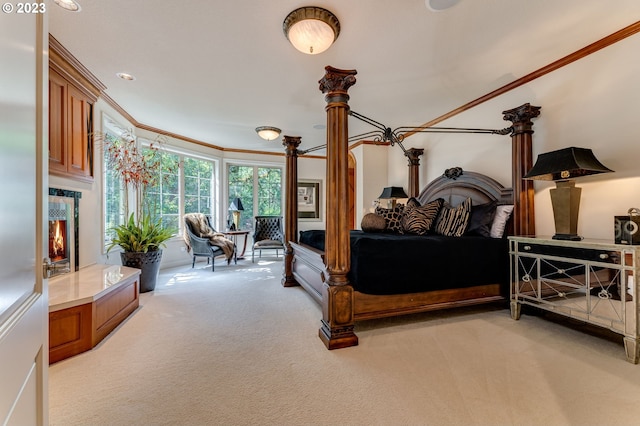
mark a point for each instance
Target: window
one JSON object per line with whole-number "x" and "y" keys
{"x": 162, "y": 198}
{"x": 114, "y": 192}
{"x": 260, "y": 190}
{"x": 183, "y": 183}
{"x": 198, "y": 180}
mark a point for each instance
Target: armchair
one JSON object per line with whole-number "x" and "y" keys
{"x": 202, "y": 240}
{"x": 268, "y": 235}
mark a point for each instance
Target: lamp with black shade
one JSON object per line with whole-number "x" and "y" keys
{"x": 562, "y": 166}
{"x": 235, "y": 208}
{"x": 392, "y": 193}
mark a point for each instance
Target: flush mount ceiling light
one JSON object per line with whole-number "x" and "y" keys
{"x": 440, "y": 5}
{"x": 125, "y": 76}
{"x": 68, "y": 4}
{"x": 311, "y": 29}
{"x": 268, "y": 133}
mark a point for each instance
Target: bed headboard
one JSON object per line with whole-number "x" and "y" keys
{"x": 456, "y": 185}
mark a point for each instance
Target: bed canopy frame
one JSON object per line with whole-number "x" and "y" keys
{"x": 337, "y": 329}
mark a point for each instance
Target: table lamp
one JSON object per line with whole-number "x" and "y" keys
{"x": 562, "y": 166}
{"x": 392, "y": 193}
{"x": 236, "y": 207}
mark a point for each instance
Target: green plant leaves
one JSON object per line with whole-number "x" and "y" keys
{"x": 141, "y": 235}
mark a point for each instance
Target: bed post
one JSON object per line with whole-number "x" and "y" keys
{"x": 522, "y": 161}
{"x": 291, "y": 144}
{"x": 413, "y": 154}
{"x": 337, "y": 294}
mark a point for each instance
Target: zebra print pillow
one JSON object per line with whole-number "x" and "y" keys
{"x": 452, "y": 221}
{"x": 419, "y": 220}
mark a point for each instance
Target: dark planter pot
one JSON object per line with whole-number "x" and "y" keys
{"x": 149, "y": 265}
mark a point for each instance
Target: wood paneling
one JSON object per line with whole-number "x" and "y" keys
{"x": 79, "y": 328}
{"x": 70, "y": 141}
{"x": 69, "y": 332}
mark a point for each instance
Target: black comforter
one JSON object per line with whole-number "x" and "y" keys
{"x": 395, "y": 264}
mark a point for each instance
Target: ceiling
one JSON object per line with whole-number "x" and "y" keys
{"x": 214, "y": 70}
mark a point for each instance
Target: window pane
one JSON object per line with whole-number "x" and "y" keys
{"x": 114, "y": 195}
{"x": 269, "y": 191}
{"x": 161, "y": 198}
{"x": 241, "y": 186}
{"x": 243, "y": 181}
{"x": 198, "y": 175}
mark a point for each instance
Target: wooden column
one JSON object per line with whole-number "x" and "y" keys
{"x": 413, "y": 154}
{"x": 291, "y": 144}
{"x": 337, "y": 294}
{"x": 522, "y": 161}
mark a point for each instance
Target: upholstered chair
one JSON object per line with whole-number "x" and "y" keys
{"x": 268, "y": 235}
{"x": 203, "y": 240}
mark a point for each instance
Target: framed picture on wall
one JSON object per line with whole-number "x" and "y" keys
{"x": 309, "y": 200}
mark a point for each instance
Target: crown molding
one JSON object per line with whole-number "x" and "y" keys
{"x": 63, "y": 62}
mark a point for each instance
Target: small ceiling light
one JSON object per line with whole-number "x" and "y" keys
{"x": 311, "y": 29}
{"x": 125, "y": 76}
{"x": 440, "y": 5}
{"x": 268, "y": 133}
{"x": 71, "y": 5}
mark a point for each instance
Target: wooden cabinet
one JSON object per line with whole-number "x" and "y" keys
{"x": 590, "y": 280}
{"x": 70, "y": 129}
{"x": 72, "y": 92}
{"x": 85, "y": 306}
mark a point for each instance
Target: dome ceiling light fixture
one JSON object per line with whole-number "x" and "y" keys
{"x": 268, "y": 133}
{"x": 71, "y": 5}
{"x": 311, "y": 29}
{"x": 125, "y": 76}
{"x": 440, "y": 5}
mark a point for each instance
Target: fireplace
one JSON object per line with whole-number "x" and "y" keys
{"x": 63, "y": 230}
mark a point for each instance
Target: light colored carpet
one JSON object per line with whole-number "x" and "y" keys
{"x": 234, "y": 347}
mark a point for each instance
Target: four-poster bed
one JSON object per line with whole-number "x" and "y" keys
{"x": 325, "y": 274}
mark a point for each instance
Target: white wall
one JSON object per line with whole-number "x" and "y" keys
{"x": 591, "y": 103}
{"x": 371, "y": 177}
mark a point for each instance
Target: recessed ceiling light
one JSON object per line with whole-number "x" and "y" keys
{"x": 440, "y": 5}
{"x": 71, "y": 5}
{"x": 125, "y": 76}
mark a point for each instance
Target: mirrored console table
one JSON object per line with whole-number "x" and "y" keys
{"x": 590, "y": 280}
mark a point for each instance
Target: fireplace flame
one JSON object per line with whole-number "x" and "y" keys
{"x": 57, "y": 246}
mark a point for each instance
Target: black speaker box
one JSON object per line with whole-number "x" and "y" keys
{"x": 626, "y": 230}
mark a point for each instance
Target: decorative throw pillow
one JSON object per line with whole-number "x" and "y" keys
{"x": 392, "y": 217}
{"x": 411, "y": 204}
{"x": 420, "y": 220}
{"x": 500, "y": 220}
{"x": 453, "y": 221}
{"x": 372, "y": 222}
{"x": 481, "y": 219}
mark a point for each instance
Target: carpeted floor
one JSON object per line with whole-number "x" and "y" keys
{"x": 234, "y": 347}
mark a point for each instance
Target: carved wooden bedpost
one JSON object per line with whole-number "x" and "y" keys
{"x": 337, "y": 295}
{"x": 413, "y": 154}
{"x": 521, "y": 146}
{"x": 291, "y": 144}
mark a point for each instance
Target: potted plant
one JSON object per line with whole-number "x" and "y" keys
{"x": 142, "y": 236}
{"x": 142, "y": 241}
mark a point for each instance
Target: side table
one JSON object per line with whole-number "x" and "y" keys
{"x": 593, "y": 281}
{"x": 233, "y": 235}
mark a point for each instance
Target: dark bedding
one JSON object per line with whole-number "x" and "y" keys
{"x": 383, "y": 263}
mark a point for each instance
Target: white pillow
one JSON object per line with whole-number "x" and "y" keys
{"x": 500, "y": 220}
